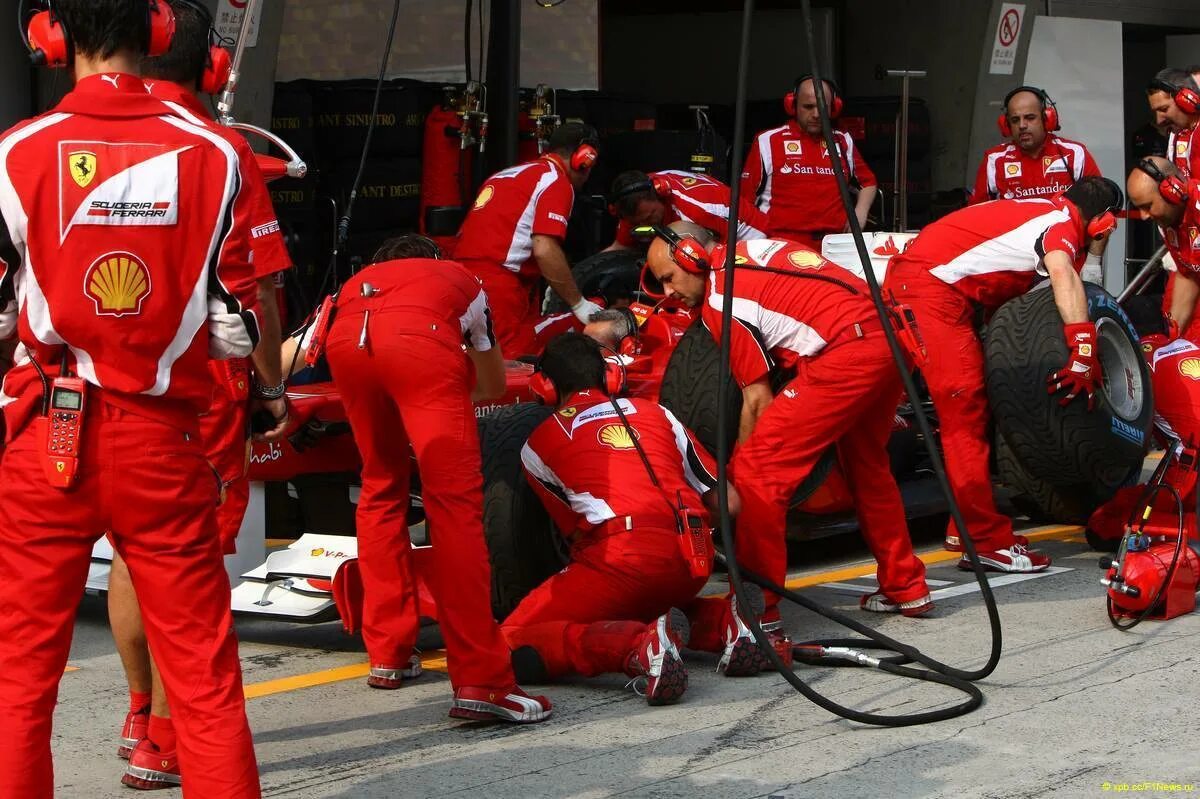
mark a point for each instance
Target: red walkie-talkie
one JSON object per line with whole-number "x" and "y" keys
{"x": 64, "y": 429}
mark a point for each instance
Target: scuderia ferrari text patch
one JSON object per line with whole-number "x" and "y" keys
{"x": 117, "y": 184}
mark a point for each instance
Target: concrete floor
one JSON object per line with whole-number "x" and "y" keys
{"x": 1074, "y": 706}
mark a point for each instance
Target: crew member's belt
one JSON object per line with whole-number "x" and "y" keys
{"x": 623, "y": 524}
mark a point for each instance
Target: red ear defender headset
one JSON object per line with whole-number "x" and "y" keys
{"x": 1187, "y": 98}
{"x": 547, "y": 393}
{"x": 1049, "y": 111}
{"x": 1105, "y": 223}
{"x": 1173, "y": 188}
{"x": 835, "y": 105}
{"x": 655, "y": 184}
{"x": 219, "y": 63}
{"x": 585, "y": 155}
{"x": 687, "y": 253}
{"x": 50, "y": 41}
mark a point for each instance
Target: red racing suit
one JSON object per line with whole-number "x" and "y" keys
{"x": 627, "y": 566}
{"x": 1184, "y": 150}
{"x": 1006, "y": 172}
{"x": 822, "y": 324}
{"x": 984, "y": 254}
{"x": 224, "y": 427}
{"x": 788, "y": 176}
{"x": 704, "y": 201}
{"x": 119, "y": 257}
{"x": 1183, "y": 243}
{"x": 496, "y": 243}
{"x": 399, "y": 360}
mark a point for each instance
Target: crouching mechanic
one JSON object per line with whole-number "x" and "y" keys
{"x": 986, "y": 255}
{"x": 795, "y": 310}
{"x": 661, "y": 198}
{"x": 175, "y": 78}
{"x": 409, "y": 342}
{"x": 117, "y": 315}
{"x": 513, "y": 236}
{"x": 630, "y": 488}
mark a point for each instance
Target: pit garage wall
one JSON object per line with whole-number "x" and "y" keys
{"x": 323, "y": 40}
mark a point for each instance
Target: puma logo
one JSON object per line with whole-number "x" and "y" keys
{"x": 111, "y": 79}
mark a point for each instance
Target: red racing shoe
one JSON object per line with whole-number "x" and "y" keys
{"x": 954, "y": 544}
{"x": 878, "y": 603}
{"x": 742, "y": 656}
{"x": 487, "y": 704}
{"x": 655, "y": 663}
{"x": 150, "y": 769}
{"x": 1016, "y": 559}
{"x": 389, "y": 678}
{"x": 134, "y": 730}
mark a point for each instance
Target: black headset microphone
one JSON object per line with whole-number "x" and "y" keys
{"x": 846, "y": 651}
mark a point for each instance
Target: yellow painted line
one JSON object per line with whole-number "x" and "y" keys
{"x": 430, "y": 661}
{"x": 929, "y": 558}
{"x": 436, "y": 659}
{"x": 70, "y": 669}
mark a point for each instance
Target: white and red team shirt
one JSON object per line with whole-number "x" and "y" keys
{"x": 118, "y": 246}
{"x": 1183, "y": 240}
{"x": 1184, "y": 150}
{"x": 584, "y": 467}
{"x": 1007, "y": 173}
{"x": 513, "y": 206}
{"x": 790, "y": 178}
{"x": 432, "y": 291}
{"x": 704, "y": 201}
{"x": 994, "y": 251}
{"x": 779, "y": 319}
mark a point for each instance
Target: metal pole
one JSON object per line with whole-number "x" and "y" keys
{"x": 1152, "y": 268}
{"x": 225, "y": 104}
{"x": 902, "y": 156}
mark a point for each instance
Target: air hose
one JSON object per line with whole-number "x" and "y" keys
{"x": 845, "y": 651}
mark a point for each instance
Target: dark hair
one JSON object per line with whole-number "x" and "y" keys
{"x": 573, "y": 362}
{"x": 101, "y": 28}
{"x": 185, "y": 62}
{"x": 628, "y": 190}
{"x": 410, "y": 245}
{"x": 1094, "y": 195}
{"x": 1171, "y": 80}
{"x": 566, "y": 138}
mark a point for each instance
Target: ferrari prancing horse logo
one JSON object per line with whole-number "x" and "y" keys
{"x": 83, "y": 167}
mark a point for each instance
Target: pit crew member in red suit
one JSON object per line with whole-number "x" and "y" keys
{"x": 660, "y": 198}
{"x": 615, "y": 608}
{"x": 986, "y": 255}
{"x": 822, "y": 324}
{"x": 1035, "y": 162}
{"x": 119, "y": 264}
{"x": 410, "y": 348}
{"x": 1158, "y": 188}
{"x": 789, "y": 177}
{"x": 176, "y": 78}
{"x": 513, "y": 236}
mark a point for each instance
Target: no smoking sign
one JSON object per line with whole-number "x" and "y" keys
{"x": 1008, "y": 31}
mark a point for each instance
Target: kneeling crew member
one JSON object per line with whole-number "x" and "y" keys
{"x": 641, "y": 546}
{"x": 987, "y": 255}
{"x": 1158, "y": 188}
{"x": 410, "y": 347}
{"x": 661, "y": 198}
{"x": 820, "y": 322}
{"x": 513, "y": 236}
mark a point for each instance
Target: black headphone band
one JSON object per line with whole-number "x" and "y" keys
{"x": 639, "y": 187}
{"x": 1043, "y": 98}
{"x": 1166, "y": 86}
{"x": 1151, "y": 169}
{"x": 830, "y": 82}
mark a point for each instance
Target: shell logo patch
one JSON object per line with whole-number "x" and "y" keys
{"x": 82, "y": 164}
{"x": 1012, "y": 170}
{"x": 791, "y": 147}
{"x": 1181, "y": 148}
{"x": 1190, "y": 367}
{"x": 118, "y": 283}
{"x": 484, "y": 197}
{"x": 806, "y": 259}
{"x": 616, "y": 436}
{"x": 318, "y": 552}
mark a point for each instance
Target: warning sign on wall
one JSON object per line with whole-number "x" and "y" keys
{"x": 228, "y": 20}
{"x": 1008, "y": 32}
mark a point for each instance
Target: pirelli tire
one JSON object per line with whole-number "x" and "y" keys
{"x": 1068, "y": 446}
{"x": 690, "y": 390}
{"x": 1042, "y": 501}
{"x": 610, "y": 275}
{"x": 523, "y": 544}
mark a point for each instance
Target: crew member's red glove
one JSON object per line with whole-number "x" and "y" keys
{"x": 1081, "y": 375}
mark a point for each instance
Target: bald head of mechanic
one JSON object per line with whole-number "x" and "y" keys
{"x": 1144, "y": 194}
{"x": 677, "y": 282}
{"x": 807, "y": 115}
{"x": 1025, "y": 112}
{"x": 1160, "y": 93}
{"x": 565, "y": 141}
